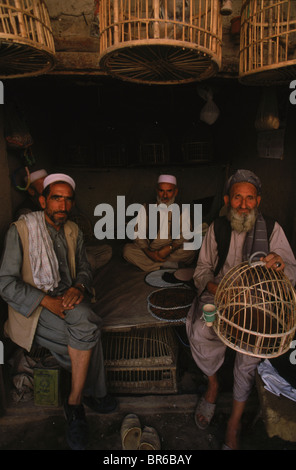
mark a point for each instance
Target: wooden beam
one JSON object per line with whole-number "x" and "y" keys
{"x": 76, "y": 44}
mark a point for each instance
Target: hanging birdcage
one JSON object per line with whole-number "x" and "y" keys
{"x": 160, "y": 41}
{"x": 26, "y": 39}
{"x": 256, "y": 310}
{"x": 267, "y": 42}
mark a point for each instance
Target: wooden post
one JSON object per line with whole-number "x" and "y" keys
{"x": 116, "y": 18}
{"x": 20, "y": 16}
{"x": 270, "y": 33}
{"x": 156, "y": 17}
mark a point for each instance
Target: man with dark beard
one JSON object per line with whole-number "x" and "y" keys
{"x": 46, "y": 280}
{"x": 162, "y": 251}
{"x": 241, "y": 233}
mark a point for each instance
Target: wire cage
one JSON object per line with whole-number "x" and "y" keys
{"x": 153, "y": 145}
{"x": 256, "y": 310}
{"x": 26, "y": 39}
{"x": 267, "y": 42}
{"x": 160, "y": 41}
{"x": 141, "y": 361}
{"x": 197, "y": 145}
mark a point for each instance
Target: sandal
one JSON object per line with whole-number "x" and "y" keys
{"x": 130, "y": 432}
{"x": 149, "y": 439}
{"x": 206, "y": 410}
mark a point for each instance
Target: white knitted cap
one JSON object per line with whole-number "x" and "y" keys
{"x": 167, "y": 179}
{"x": 59, "y": 177}
{"x": 36, "y": 175}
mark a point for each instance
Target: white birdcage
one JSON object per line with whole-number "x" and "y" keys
{"x": 160, "y": 41}
{"x": 26, "y": 39}
{"x": 267, "y": 42}
{"x": 256, "y": 310}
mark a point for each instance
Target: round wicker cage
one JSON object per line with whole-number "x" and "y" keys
{"x": 171, "y": 304}
{"x": 160, "y": 41}
{"x": 256, "y": 310}
{"x": 267, "y": 42}
{"x": 26, "y": 40}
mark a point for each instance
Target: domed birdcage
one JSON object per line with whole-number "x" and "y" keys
{"x": 256, "y": 310}
{"x": 160, "y": 41}
{"x": 26, "y": 39}
{"x": 267, "y": 42}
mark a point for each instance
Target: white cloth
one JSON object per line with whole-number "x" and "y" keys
{"x": 274, "y": 383}
{"x": 44, "y": 263}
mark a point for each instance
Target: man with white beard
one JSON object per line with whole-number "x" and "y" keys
{"x": 229, "y": 241}
{"x": 149, "y": 252}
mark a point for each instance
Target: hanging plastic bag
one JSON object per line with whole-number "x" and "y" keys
{"x": 267, "y": 118}
{"x": 210, "y": 112}
{"x": 16, "y": 131}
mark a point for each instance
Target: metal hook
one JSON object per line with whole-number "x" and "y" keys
{"x": 257, "y": 263}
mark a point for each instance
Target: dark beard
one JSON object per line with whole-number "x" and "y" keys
{"x": 58, "y": 220}
{"x": 242, "y": 222}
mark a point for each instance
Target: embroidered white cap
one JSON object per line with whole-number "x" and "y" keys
{"x": 167, "y": 179}
{"x": 36, "y": 175}
{"x": 59, "y": 177}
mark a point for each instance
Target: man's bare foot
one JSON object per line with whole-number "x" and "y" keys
{"x": 232, "y": 434}
{"x": 211, "y": 397}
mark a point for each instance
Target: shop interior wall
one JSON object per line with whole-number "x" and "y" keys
{"x": 64, "y": 114}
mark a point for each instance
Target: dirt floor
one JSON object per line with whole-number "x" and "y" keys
{"x": 26, "y": 426}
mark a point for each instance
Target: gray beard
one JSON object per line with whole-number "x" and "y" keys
{"x": 167, "y": 203}
{"x": 242, "y": 222}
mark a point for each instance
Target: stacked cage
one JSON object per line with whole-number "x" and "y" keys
{"x": 141, "y": 361}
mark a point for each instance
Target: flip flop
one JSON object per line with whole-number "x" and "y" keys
{"x": 205, "y": 409}
{"x": 130, "y": 432}
{"x": 149, "y": 439}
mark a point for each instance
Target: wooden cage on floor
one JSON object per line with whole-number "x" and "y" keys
{"x": 256, "y": 310}
{"x": 141, "y": 361}
{"x": 267, "y": 42}
{"x": 26, "y": 40}
{"x": 160, "y": 41}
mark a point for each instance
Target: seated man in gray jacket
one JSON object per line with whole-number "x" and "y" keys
{"x": 46, "y": 280}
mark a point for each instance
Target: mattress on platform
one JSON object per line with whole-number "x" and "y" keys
{"x": 122, "y": 297}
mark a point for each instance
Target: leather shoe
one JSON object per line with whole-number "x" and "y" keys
{"x": 77, "y": 430}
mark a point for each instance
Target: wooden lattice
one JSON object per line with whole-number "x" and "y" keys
{"x": 267, "y": 42}
{"x": 26, "y": 40}
{"x": 141, "y": 361}
{"x": 256, "y": 310}
{"x": 160, "y": 41}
